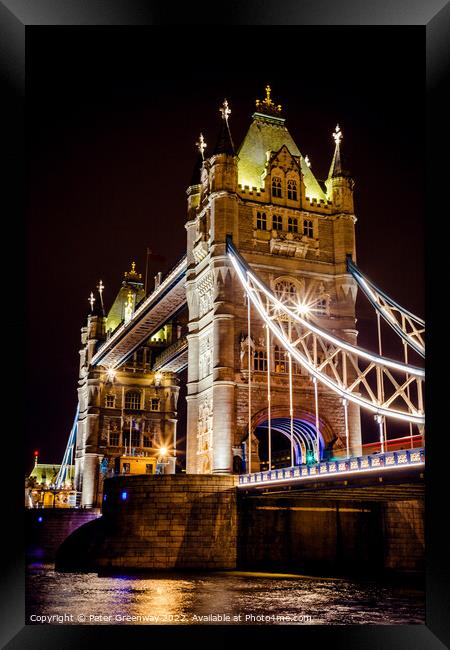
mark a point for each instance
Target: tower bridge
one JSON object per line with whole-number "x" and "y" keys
{"x": 261, "y": 313}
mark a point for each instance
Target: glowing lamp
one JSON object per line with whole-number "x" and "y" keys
{"x": 40, "y": 520}
{"x": 163, "y": 451}
{"x": 309, "y": 457}
{"x": 124, "y": 496}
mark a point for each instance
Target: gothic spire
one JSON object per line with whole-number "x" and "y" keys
{"x": 196, "y": 172}
{"x": 225, "y": 141}
{"x": 338, "y": 164}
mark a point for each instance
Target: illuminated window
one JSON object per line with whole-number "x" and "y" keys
{"x": 146, "y": 441}
{"x": 277, "y": 222}
{"x": 259, "y": 360}
{"x": 113, "y": 438}
{"x": 292, "y": 189}
{"x": 276, "y": 186}
{"x": 261, "y": 221}
{"x": 292, "y": 224}
{"x": 110, "y": 401}
{"x": 133, "y": 400}
{"x": 154, "y": 404}
{"x": 308, "y": 228}
{"x": 281, "y": 359}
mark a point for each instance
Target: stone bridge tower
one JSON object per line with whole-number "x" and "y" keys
{"x": 129, "y": 412}
{"x": 295, "y": 231}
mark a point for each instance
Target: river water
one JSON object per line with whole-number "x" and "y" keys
{"x": 236, "y": 598}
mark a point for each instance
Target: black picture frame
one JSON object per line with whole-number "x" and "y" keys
{"x": 15, "y": 18}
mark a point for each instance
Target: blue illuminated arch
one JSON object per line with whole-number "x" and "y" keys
{"x": 303, "y": 431}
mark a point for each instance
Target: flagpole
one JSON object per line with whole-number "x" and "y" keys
{"x": 146, "y": 270}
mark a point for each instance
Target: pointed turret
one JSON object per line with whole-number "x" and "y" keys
{"x": 222, "y": 164}
{"x": 196, "y": 178}
{"x": 225, "y": 141}
{"x": 339, "y": 183}
{"x": 339, "y": 165}
{"x": 194, "y": 189}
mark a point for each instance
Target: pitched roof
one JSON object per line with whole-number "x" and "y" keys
{"x": 270, "y": 134}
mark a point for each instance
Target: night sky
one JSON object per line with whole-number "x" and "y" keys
{"x": 113, "y": 115}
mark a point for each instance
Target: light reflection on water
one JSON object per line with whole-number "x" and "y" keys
{"x": 183, "y": 598}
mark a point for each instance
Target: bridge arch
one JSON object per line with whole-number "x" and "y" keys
{"x": 304, "y": 430}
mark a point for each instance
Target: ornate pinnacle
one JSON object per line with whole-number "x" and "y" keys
{"x": 132, "y": 274}
{"x": 307, "y": 161}
{"x": 266, "y": 105}
{"x": 91, "y": 300}
{"x": 201, "y": 144}
{"x": 225, "y": 111}
{"x": 337, "y": 135}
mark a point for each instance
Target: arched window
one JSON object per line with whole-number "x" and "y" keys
{"x": 276, "y": 186}
{"x": 277, "y": 222}
{"x": 292, "y": 224}
{"x": 292, "y": 189}
{"x": 286, "y": 291}
{"x": 261, "y": 221}
{"x": 259, "y": 360}
{"x": 307, "y": 228}
{"x": 133, "y": 400}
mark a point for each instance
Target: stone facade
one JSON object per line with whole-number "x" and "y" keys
{"x": 403, "y": 525}
{"x": 295, "y": 232}
{"x": 131, "y": 409}
{"x": 159, "y": 522}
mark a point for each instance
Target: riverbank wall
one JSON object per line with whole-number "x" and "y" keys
{"x": 202, "y": 522}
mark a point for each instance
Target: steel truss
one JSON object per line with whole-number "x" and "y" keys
{"x": 409, "y": 327}
{"x": 383, "y": 386}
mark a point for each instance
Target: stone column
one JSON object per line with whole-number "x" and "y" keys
{"x": 89, "y": 496}
{"x": 223, "y": 426}
{"x": 192, "y": 430}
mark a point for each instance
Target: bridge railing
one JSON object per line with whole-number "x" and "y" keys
{"x": 357, "y": 464}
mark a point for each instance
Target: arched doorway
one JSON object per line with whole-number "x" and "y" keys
{"x": 304, "y": 436}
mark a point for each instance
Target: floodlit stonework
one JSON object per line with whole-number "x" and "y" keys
{"x": 131, "y": 410}
{"x": 295, "y": 231}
